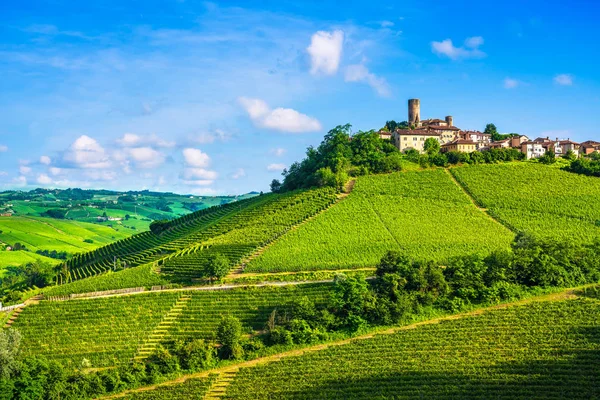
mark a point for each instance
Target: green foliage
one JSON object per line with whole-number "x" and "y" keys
{"x": 229, "y": 333}
{"x": 432, "y": 146}
{"x": 548, "y": 158}
{"x": 217, "y": 266}
{"x": 585, "y": 166}
{"x": 10, "y": 342}
{"x": 337, "y": 155}
{"x": 275, "y": 186}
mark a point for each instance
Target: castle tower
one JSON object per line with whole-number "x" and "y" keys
{"x": 450, "y": 120}
{"x": 414, "y": 112}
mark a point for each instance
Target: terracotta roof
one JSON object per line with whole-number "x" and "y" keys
{"x": 416, "y": 132}
{"x": 568, "y": 142}
{"x": 531, "y": 142}
{"x": 590, "y": 143}
{"x": 443, "y": 128}
{"x": 459, "y": 141}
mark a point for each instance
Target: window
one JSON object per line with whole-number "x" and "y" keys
{"x": 405, "y": 138}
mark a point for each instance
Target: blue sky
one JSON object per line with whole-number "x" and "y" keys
{"x": 216, "y": 98}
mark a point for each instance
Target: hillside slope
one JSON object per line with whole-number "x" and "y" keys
{"x": 422, "y": 213}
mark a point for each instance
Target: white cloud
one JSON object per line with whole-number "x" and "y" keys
{"x": 3, "y": 148}
{"x": 564, "y": 79}
{"x": 24, "y": 170}
{"x": 360, "y": 73}
{"x": 470, "y": 49}
{"x": 325, "y": 52}
{"x": 133, "y": 140}
{"x": 196, "y": 158}
{"x": 199, "y": 173}
{"x": 100, "y": 175}
{"x": 44, "y": 179}
{"x": 275, "y": 167}
{"x": 203, "y": 191}
{"x": 510, "y": 83}
{"x": 3, "y": 173}
{"x": 474, "y": 42}
{"x": 239, "y": 173}
{"x": 146, "y": 157}
{"x": 280, "y": 119}
{"x": 45, "y": 160}
{"x": 211, "y": 137}
{"x": 20, "y": 181}
{"x": 199, "y": 182}
{"x": 86, "y": 152}
{"x": 278, "y": 152}
{"x": 55, "y": 171}
{"x": 386, "y": 24}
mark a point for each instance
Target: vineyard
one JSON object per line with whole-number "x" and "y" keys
{"x": 234, "y": 230}
{"x": 533, "y": 198}
{"x": 545, "y": 350}
{"x": 109, "y": 331}
{"x": 194, "y": 388}
{"x": 422, "y": 213}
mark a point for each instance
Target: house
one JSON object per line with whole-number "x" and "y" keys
{"x": 386, "y": 135}
{"x": 447, "y": 133}
{"x": 568, "y": 145}
{"x": 532, "y": 149}
{"x": 482, "y": 140}
{"x": 500, "y": 144}
{"x": 590, "y": 147}
{"x": 462, "y": 145}
{"x": 517, "y": 141}
{"x": 406, "y": 139}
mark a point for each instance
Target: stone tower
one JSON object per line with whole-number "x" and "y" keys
{"x": 414, "y": 112}
{"x": 450, "y": 120}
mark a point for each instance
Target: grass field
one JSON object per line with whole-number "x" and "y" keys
{"x": 544, "y": 201}
{"x": 546, "y": 350}
{"x": 17, "y": 258}
{"x": 52, "y": 234}
{"x": 422, "y": 213}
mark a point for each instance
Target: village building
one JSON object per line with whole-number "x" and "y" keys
{"x": 406, "y": 139}
{"x": 482, "y": 140}
{"x": 568, "y": 145}
{"x": 589, "y": 147}
{"x": 500, "y": 144}
{"x": 517, "y": 141}
{"x": 532, "y": 149}
{"x": 462, "y": 145}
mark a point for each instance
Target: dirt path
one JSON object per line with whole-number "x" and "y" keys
{"x": 563, "y": 295}
{"x": 473, "y": 201}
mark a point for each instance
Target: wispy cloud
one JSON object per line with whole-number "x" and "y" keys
{"x": 564, "y": 79}
{"x": 360, "y": 73}
{"x": 510, "y": 83}
{"x": 470, "y": 49}
{"x": 3, "y": 148}
{"x": 275, "y": 167}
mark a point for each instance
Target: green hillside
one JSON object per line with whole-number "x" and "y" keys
{"x": 423, "y": 213}
{"x": 547, "y": 350}
{"x": 534, "y": 198}
{"x": 112, "y": 330}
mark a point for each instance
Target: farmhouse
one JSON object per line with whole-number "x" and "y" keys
{"x": 462, "y": 145}
{"x": 532, "y": 149}
{"x": 590, "y": 147}
{"x": 406, "y": 139}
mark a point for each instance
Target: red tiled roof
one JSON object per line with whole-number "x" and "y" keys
{"x": 416, "y": 132}
{"x": 443, "y": 128}
{"x": 459, "y": 141}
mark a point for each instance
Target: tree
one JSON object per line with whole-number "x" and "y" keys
{"x": 490, "y": 129}
{"x": 229, "y": 334}
{"x": 217, "y": 266}
{"x": 548, "y": 158}
{"x": 38, "y": 273}
{"x": 275, "y": 186}
{"x": 432, "y": 146}
{"x": 10, "y": 341}
{"x": 570, "y": 155}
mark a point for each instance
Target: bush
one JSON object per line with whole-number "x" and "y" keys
{"x": 229, "y": 334}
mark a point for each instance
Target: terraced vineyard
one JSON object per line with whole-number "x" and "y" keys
{"x": 537, "y": 199}
{"x": 546, "y": 350}
{"x": 112, "y": 330}
{"x": 194, "y": 388}
{"x": 423, "y": 213}
{"x": 234, "y": 230}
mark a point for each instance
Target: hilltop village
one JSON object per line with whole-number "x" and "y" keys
{"x": 452, "y": 138}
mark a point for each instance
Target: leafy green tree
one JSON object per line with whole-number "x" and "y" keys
{"x": 431, "y": 146}
{"x": 570, "y": 155}
{"x": 217, "y": 266}
{"x": 490, "y": 129}
{"x": 548, "y": 158}
{"x": 275, "y": 186}
{"x": 229, "y": 333}
{"x": 10, "y": 341}
{"x": 195, "y": 354}
{"x": 38, "y": 273}
{"x": 391, "y": 125}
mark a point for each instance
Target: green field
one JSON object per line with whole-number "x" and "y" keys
{"x": 534, "y": 198}
{"x": 17, "y": 258}
{"x": 546, "y": 350}
{"x": 38, "y": 233}
{"x": 422, "y": 213}
{"x": 109, "y": 331}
